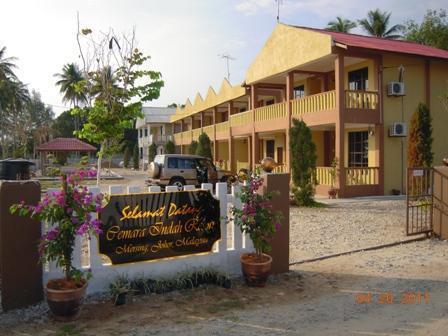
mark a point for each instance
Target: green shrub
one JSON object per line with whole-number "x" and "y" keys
{"x": 152, "y": 152}
{"x": 170, "y": 148}
{"x": 204, "y": 146}
{"x": 135, "y": 158}
{"x": 303, "y": 163}
{"x": 193, "y": 147}
{"x": 126, "y": 157}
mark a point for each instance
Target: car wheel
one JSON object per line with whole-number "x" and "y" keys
{"x": 178, "y": 182}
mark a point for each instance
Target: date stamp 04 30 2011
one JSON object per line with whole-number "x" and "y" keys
{"x": 416, "y": 297}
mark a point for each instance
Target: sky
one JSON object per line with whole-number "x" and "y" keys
{"x": 183, "y": 38}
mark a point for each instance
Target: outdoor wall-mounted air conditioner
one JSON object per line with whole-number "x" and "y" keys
{"x": 398, "y": 129}
{"x": 395, "y": 89}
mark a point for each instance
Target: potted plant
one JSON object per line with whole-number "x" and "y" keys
{"x": 333, "y": 192}
{"x": 257, "y": 219}
{"x": 68, "y": 213}
{"x": 119, "y": 289}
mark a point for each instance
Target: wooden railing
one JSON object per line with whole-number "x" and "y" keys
{"x": 317, "y": 102}
{"x": 324, "y": 177}
{"x": 209, "y": 130}
{"x": 366, "y": 100}
{"x": 361, "y": 176}
{"x": 196, "y": 133}
{"x": 270, "y": 112}
{"x": 242, "y": 118}
{"x": 222, "y": 127}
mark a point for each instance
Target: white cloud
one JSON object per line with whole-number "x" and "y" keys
{"x": 251, "y": 7}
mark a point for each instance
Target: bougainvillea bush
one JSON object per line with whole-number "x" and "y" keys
{"x": 68, "y": 212}
{"x": 256, "y": 217}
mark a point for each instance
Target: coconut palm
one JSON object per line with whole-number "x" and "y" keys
{"x": 7, "y": 66}
{"x": 341, "y": 25}
{"x": 70, "y": 82}
{"x": 377, "y": 24}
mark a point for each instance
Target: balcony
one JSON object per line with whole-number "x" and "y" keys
{"x": 270, "y": 112}
{"x": 318, "y": 102}
{"x": 209, "y": 130}
{"x": 241, "y": 119}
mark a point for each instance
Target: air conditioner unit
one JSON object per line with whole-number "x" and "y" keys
{"x": 398, "y": 129}
{"x": 395, "y": 89}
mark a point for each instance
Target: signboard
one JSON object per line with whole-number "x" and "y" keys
{"x": 139, "y": 227}
{"x": 417, "y": 172}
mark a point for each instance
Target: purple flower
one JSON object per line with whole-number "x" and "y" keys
{"x": 82, "y": 229}
{"x": 52, "y": 234}
{"x": 75, "y": 220}
{"x": 277, "y": 226}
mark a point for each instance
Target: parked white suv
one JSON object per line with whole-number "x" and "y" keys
{"x": 182, "y": 169}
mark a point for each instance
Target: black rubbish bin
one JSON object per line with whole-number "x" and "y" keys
{"x": 15, "y": 169}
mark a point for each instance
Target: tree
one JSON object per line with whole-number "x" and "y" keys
{"x": 341, "y": 25}
{"x": 135, "y": 158}
{"x": 126, "y": 157}
{"x": 204, "y": 147}
{"x": 64, "y": 125}
{"x": 303, "y": 163}
{"x": 433, "y": 30}
{"x": 115, "y": 85}
{"x": 420, "y": 138}
{"x": 377, "y": 24}
{"x": 70, "y": 82}
{"x": 169, "y": 147}
{"x": 152, "y": 152}
{"x": 193, "y": 147}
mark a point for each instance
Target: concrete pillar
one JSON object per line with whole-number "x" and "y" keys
{"x": 232, "y": 163}
{"x": 289, "y": 98}
{"x": 279, "y": 183}
{"x": 255, "y": 150}
{"x": 339, "y": 127}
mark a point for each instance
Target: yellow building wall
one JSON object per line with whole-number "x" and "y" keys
{"x": 397, "y": 109}
{"x": 279, "y": 141}
{"x": 241, "y": 153}
{"x": 223, "y": 151}
{"x": 318, "y": 139}
{"x": 439, "y": 112}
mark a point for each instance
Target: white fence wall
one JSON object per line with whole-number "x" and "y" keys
{"x": 224, "y": 256}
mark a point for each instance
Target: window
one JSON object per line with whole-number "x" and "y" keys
{"x": 146, "y": 132}
{"x": 270, "y": 144}
{"x": 161, "y": 130}
{"x": 299, "y": 92}
{"x": 358, "y": 79}
{"x": 141, "y": 152}
{"x": 141, "y": 133}
{"x": 358, "y": 149}
{"x": 177, "y": 163}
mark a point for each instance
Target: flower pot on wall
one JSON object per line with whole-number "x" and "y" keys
{"x": 256, "y": 271}
{"x": 65, "y": 304}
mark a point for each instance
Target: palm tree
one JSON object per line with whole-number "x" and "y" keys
{"x": 341, "y": 25}
{"x": 6, "y": 66}
{"x": 377, "y": 24}
{"x": 69, "y": 81}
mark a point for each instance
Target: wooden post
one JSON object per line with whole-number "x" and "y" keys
{"x": 339, "y": 127}
{"x": 232, "y": 166}
{"x": 379, "y": 128}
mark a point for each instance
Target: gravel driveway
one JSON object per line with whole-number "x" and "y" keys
{"x": 344, "y": 226}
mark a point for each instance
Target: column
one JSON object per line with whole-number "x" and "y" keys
{"x": 379, "y": 128}
{"x": 215, "y": 143}
{"x": 255, "y": 152}
{"x": 339, "y": 126}
{"x": 289, "y": 98}
{"x": 249, "y": 149}
{"x": 232, "y": 164}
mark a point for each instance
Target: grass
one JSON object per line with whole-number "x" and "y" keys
{"x": 225, "y": 305}
{"x": 69, "y": 330}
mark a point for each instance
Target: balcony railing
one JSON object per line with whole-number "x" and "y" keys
{"x": 242, "y": 118}
{"x": 367, "y": 100}
{"x": 314, "y": 103}
{"x": 361, "y": 176}
{"x": 196, "y": 133}
{"x": 270, "y": 112}
{"x": 323, "y": 176}
{"x": 222, "y": 127}
{"x": 177, "y": 138}
{"x": 209, "y": 130}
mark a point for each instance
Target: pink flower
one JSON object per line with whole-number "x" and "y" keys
{"x": 52, "y": 234}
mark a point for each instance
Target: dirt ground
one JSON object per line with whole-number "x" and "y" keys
{"x": 400, "y": 290}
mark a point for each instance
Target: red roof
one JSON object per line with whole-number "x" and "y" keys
{"x": 383, "y": 44}
{"x": 66, "y": 145}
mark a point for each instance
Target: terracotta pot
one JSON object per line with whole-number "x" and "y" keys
{"x": 255, "y": 273}
{"x": 332, "y": 193}
{"x": 65, "y": 304}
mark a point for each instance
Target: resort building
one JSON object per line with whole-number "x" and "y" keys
{"x": 356, "y": 93}
{"x": 154, "y": 127}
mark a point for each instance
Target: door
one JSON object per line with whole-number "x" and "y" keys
{"x": 270, "y": 145}
{"x": 280, "y": 155}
